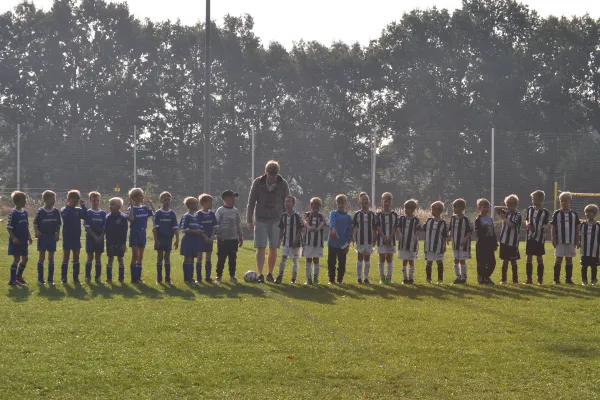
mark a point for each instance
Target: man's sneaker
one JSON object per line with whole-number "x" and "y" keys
{"x": 41, "y": 282}
{"x": 209, "y": 280}
{"x": 21, "y": 281}
{"x": 366, "y": 282}
{"x": 108, "y": 281}
{"x": 233, "y": 279}
{"x": 261, "y": 279}
{"x": 594, "y": 282}
{"x": 309, "y": 282}
{"x": 359, "y": 281}
{"x": 279, "y": 279}
{"x": 584, "y": 283}
{"x": 569, "y": 282}
{"x": 528, "y": 282}
{"x": 270, "y": 278}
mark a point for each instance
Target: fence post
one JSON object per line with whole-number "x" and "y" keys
{"x": 373, "y": 165}
{"x": 18, "y": 156}
{"x": 134, "y": 156}
{"x": 493, "y": 171}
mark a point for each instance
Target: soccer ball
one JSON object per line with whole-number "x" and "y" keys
{"x": 333, "y": 234}
{"x": 250, "y": 276}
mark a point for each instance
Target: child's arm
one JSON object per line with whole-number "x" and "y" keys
{"x": 554, "y": 238}
{"x": 83, "y": 211}
{"x": 150, "y": 203}
{"x": 238, "y": 221}
{"x": 130, "y": 212}
{"x": 36, "y": 223}
{"x": 321, "y": 225}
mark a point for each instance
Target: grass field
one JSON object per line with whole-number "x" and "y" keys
{"x": 252, "y": 341}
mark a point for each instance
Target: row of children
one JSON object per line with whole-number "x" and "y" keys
{"x": 391, "y": 232}
{"x": 200, "y": 225}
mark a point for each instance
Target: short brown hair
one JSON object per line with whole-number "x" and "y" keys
{"x": 116, "y": 200}
{"x": 511, "y": 198}
{"x": 73, "y": 194}
{"x": 483, "y": 202}
{"x": 459, "y": 203}
{"x": 189, "y": 200}
{"x": 203, "y": 197}
{"x": 316, "y": 200}
{"x": 387, "y": 196}
{"x": 17, "y": 196}
{"x": 164, "y": 194}
{"x": 272, "y": 167}
{"x": 591, "y": 207}
{"x": 567, "y": 195}
{"x": 363, "y": 194}
{"x": 94, "y": 194}
{"x": 411, "y": 204}
{"x": 437, "y": 204}
{"x": 538, "y": 194}
{"x": 341, "y": 197}
{"x": 48, "y": 194}
{"x": 134, "y": 191}
{"x": 289, "y": 196}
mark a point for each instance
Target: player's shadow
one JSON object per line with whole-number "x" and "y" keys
{"x": 174, "y": 291}
{"x": 124, "y": 290}
{"x": 19, "y": 294}
{"x": 101, "y": 289}
{"x": 51, "y": 292}
{"x": 229, "y": 290}
{"x": 77, "y": 291}
{"x": 149, "y": 291}
{"x": 571, "y": 349}
{"x": 318, "y": 294}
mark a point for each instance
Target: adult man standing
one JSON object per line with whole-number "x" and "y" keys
{"x": 266, "y": 201}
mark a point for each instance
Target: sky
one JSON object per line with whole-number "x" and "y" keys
{"x": 322, "y": 20}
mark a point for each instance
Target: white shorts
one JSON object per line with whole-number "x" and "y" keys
{"x": 364, "y": 249}
{"x": 407, "y": 255}
{"x": 386, "y": 249}
{"x": 312, "y": 252}
{"x": 565, "y": 250}
{"x": 291, "y": 252}
{"x": 462, "y": 255}
{"x": 433, "y": 256}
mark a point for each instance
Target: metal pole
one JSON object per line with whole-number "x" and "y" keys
{"x": 134, "y": 156}
{"x": 207, "y": 155}
{"x": 373, "y": 165}
{"x": 555, "y": 195}
{"x": 252, "y": 166}
{"x": 493, "y": 170}
{"x": 18, "y": 156}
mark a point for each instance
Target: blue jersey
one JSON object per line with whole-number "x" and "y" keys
{"x": 47, "y": 221}
{"x": 19, "y": 223}
{"x": 95, "y": 221}
{"x": 140, "y": 218}
{"x": 208, "y": 221}
{"x": 342, "y": 223}
{"x": 115, "y": 229}
{"x": 189, "y": 221}
{"x": 165, "y": 222}
{"x": 71, "y": 219}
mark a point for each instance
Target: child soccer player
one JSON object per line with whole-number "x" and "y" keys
{"x": 208, "y": 222}
{"x": 363, "y": 234}
{"x": 192, "y": 235}
{"x": 387, "y": 220}
{"x": 460, "y": 233}
{"x": 565, "y": 237}
{"x": 436, "y": 232}
{"x": 487, "y": 243}
{"x": 340, "y": 237}
{"x": 509, "y": 236}
{"x": 46, "y": 226}
{"x": 165, "y": 227}
{"x": 20, "y": 238}
{"x": 290, "y": 236}
{"x": 94, "y": 226}
{"x": 408, "y": 228}
{"x": 116, "y": 238}
{"x": 72, "y": 216}
{"x": 230, "y": 236}
{"x": 314, "y": 222}
{"x": 138, "y": 220}
{"x": 590, "y": 244}
{"x": 537, "y": 220}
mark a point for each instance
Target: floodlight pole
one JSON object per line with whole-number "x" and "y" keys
{"x": 207, "y": 65}
{"x": 493, "y": 171}
{"x": 373, "y": 165}
{"x": 18, "y": 156}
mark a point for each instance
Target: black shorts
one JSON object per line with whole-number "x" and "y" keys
{"x": 587, "y": 261}
{"x": 115, "y": 251}
{"x": 535, "y": 248}
{"x": 509, "y": 252}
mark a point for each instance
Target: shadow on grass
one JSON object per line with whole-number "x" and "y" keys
{"x": 174, "y": 291}
{"x": 228, "y": 290}
{"x": 574, "y": 350}
{"x": 19, "y": 294}
{"x": 101, "y": 289}
{"x": 51, "y": 292}
{"x": 321, "y": 294}
{"x": 149, "y": 291}
{"x": 77, "y": 291}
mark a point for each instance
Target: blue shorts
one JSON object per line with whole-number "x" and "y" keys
{"x": 190, "y": 246}
{"x": 71, "y": 243}
{"x": 91, "y": 246}
{"x": 137, "y": 239}
{"x": 266, "y": 231}
{"x": 46, "y": 242}
{"x": 115, "y": 251}
{"x": 165, "y": 243}
{"x": 22, "y": 250}
{"x": 206, "y": 246}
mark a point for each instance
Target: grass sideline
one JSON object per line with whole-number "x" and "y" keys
{"x": 251, "y": 341}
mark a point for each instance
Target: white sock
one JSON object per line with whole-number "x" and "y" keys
{"x": 295, "y": 266}
{"x": 381, "y": 270}
{"x": 463, "y": 270}
{"x": 390, "y": 268}
{"x": 359, "y": 267}
{"x": 367, "y": 269}
{"x": 457, "y": 271}
{"x": 411, "y": 272}
{"x": 316, "y": 268}
{"x": 308, "y": 271}
{"x": 404, "y": 272}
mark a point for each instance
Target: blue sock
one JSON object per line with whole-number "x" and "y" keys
{"x": 121, "y": 272}
{"x": 132, "y": 271}
{"x": 98, "y": 270}
{"x": 208, "y": 269}
{"x": 20, "y": 271}
{"x": 138, "y": 274}
{"x": 50, "y": 271}
{"x": 40, "y": 271}
{"x": 159, "y": 271}
{"x": 199, "y": 270}
{"x": 13, "y": 273}
{"x": 167, "y": 271}
{"x": 64, "y": 269}
{"x": 76, "y": 271}
{"x": 109, "y": 272}
{"x": 88, "y": 270}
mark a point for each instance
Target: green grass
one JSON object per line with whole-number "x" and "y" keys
{"x": 253, "y": 341}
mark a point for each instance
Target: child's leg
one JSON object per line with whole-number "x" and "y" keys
{"x": 188, "y": 269}
{"x": 382, "y": 267}
{"x": 22, "y": 266}
{"x": 309, "y": 270}
{"x": 51, "y": 267}
{"x": 359, "y": 267}
{"x": 367, "y": 262}
{"x": 221, "y": 257}
{"x": 167, "y": 262}
{"x": 316, "y": 269}
{"x": 13, "y": 270}
{"x": 594, "y": 274}
{"x": 428, "y": 270}
{"x": 295, "y": 266}
{"x": 457, "y": 269}
{"x": 411, "y": 270}
{"x": 569, "y": 269}
{"x": 159, "y": 265}
{"x": 98, "y": 266}
{"x": 515, "y": 274}
{"x": 109, "y": 267}
{"x": 208, "y": 266}
{"x": 232, "y": 257}
{"x": 557, "y": 266}
{"x": 540, "y": 269}
{"x": 199, "y": 267}
{"x": 76, "y": 265}
{"x": 341, "y": 270}
{"x": 505, "y": 270}
{"x": 404, "y": 270}
{"x": 40, "y": 266}
{"x": 65, "y": 265}
{"x": 390, "y": 266}
{"x": 584, "y": 267}
{"x": 331, "y": 259}
{"x": 139, "y": 262}
{"x": 463, "y": 270}
{"x": 440, "y": 271}
{"x": 121, "y": 269}
{"x": 132, "y": 269}
{"x": 529, "y": 268}
{"x": 282, "y": 266}
{"x": 88, "y": 266}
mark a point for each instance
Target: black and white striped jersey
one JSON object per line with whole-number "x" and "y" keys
{"x": 590, "y": 239}
{"x": 408, "y": 227}
{"x": 508, "y": 235}
{"x": 566, "y": 223}
{"x": 365, "y": 223}
{"x": 539, "y": 218}
{"x": 388, "y": 224}
{"x": 291, "y": 224}
{"x": 314, "y": 238}
{"x": 459, "y": 228}
{"x": 436, "y": 233}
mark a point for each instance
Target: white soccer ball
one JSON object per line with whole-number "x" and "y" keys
{"x": 250, "y": 276}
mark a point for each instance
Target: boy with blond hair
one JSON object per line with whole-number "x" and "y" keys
{"x": 590, "y": 244}
{"x": 509, "y": 237}
{"x": 408, "y": 240}
{"x": 436, "y": 232}
{"x": 314, "y": 222}
{"x": 363, "y": 234}
{"x": 208, "y": 222}
{"x": 460, "y": 234}
{"x": 116, "y": 238}
{"x": 139, "y": 214}
{"x": 387, "y": 221}
{"x": 46, "y": 226}
{"x": 71, "y": 219}
{"x": 20, "y": 238}
{"x": 192, "y": 235}
{"x": 340, "y": 237}
{"x": 290, "y": 236}
{"x": 565, "y": 237}
{"x": 537, "y": 220}
{"x": 165, "y": 227}
{"x": 94, "y": 239}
